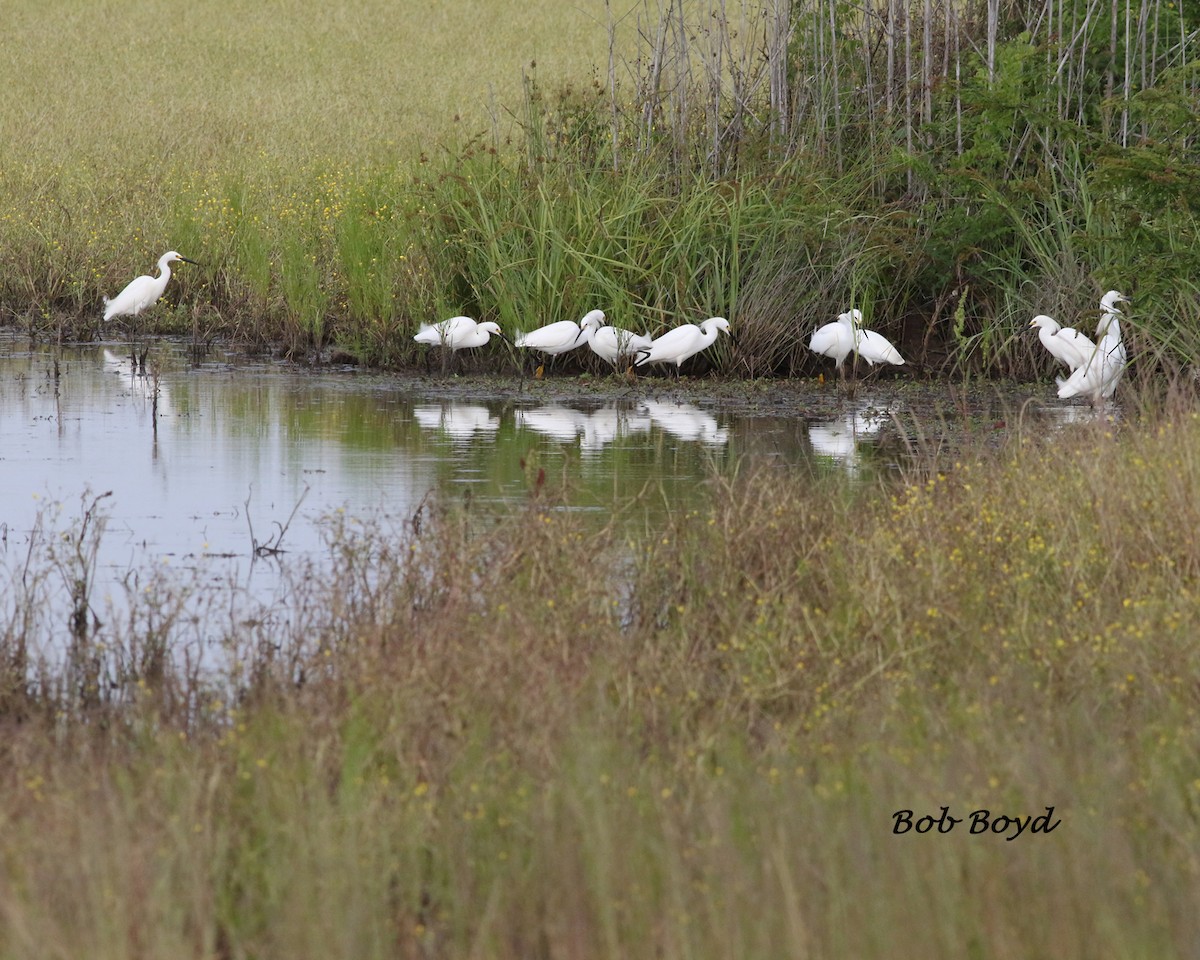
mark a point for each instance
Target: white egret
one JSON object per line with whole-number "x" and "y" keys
{"x": 683, "y": 342}
{"x": 1097, "y": 379}
{"x": 1065, "y": 344}
{"x": 845, "y": 335}
{"x": 612, "y": 343}
{"x": 457, "y": 333}
{"x": 874, "y": 347}
{"x": 1109, "y": 311}
{"x": 835, "y": 340}
{"x": 558, "y": 337}
{"x": 140, "y": 293}
{"x": 144, "y": 291}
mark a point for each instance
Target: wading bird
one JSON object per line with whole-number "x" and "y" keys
{"x": 1097, "y": 379}
{"x": 457, "y": 333}
{"x": 683, "y": 342}
{"x": 1065, "y": 344}
{"x": 612, "y": 343}
{"x": 845, "y": 335}
{"x": 140, "y": 293}
{"x": 559, "y": 337}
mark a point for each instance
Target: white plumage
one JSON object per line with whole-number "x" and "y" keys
{"x": 1098, "y": 377}
{"x": 612, "y": 343}
{"x": 143, "y": 291}
{"x": 683, "y": 342}
{"x": 1065, "y": 344}
{"x": 457, "y": 333}
{"x": 558, "y": 337}
{"x": 845, "y": 335}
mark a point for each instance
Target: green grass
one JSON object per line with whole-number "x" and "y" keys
{"x": 348, "y": 174}
{"x": 219, "y": 128}
{"x": 470, "y": 740}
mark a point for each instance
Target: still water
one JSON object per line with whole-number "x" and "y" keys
{"x": 198, "y": 463}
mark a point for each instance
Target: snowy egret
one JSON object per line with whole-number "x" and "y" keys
{"x": 845, "y": 335}
{"x": 685, "y": 341}
{"x": 612, "y": 343}
{"x": 876, "y": 348}
{"x": 457, "y": 333}
{"x": 140, "y": 293}
{"x": 835, "y": 340}
{"x": 558, "y": 337}
{"x": 1109, "y": 311}
{"x": 1097, "y": 379}
{"x": 144, "y": 291}
{"x": 1065, "y": 344}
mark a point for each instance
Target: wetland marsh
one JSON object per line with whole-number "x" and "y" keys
{"x": 584, "y": 667}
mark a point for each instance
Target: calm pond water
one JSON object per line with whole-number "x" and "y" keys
{"x": 212, "y": 458}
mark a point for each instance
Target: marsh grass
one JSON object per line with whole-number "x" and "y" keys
{"x": 951, "y": 171}
{"x": 536, "y": 735}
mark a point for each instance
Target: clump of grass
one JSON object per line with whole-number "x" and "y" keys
{"x": 538, "y": 735}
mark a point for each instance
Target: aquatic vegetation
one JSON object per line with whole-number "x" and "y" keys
{"x": 680, "y": 740}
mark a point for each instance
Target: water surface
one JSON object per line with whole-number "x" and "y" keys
{"x": 195, "y": 464}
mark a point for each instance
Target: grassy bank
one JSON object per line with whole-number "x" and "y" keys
{"x": 951, "y": 171}
{"x": 544, "y": 737}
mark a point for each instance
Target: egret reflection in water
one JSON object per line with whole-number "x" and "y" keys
{"x": 610, "y": 424}
{"x": 459, "y": 421}
{"x": 841, "y": 439}
{"x": 139, "y": 385}
{"x": 556, "y": 422}
{"x": 593, "y": 430}
{"x": 686, "y": 421}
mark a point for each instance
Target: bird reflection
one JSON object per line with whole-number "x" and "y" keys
{"x": 140, "y": 385}
{"x": 556, "y": 422}
{"x": 841, "y": 439}
{"x": 686, "y": 421}
{"x": 460, "y": 421}
{"x": 609, "y": 424}
{"x": 594, "y": 430}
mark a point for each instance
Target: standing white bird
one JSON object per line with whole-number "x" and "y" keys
{"x": 143, "y": 291}
{"x": 140, "y": 293}
{"x": 845, "y": 335}
{"x": 1097, "y": 379}
{"x": 835, "y": 340}
{"x": 683, "y": 342}
{"x": 558, "y": 337}
{"x": 457, "y": 333}
{"x": 1110, "y": 326}
{"x": 612, "y": 343}
{"x": 1065, "y": 344}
